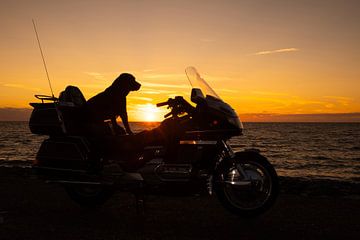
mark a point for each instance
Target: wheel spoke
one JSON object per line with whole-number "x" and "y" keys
{"x": 247, "y": 186}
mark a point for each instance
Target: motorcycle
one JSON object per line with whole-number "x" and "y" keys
{"x": 192, "y": 152}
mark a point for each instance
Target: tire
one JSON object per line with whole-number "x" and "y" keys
{"x": 251, "y": 197}
{"x": 89, "y": 196}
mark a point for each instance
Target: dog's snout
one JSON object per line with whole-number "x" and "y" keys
{"x": 137, "y": 86}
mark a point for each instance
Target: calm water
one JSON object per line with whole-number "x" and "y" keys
{"x": 313, "y": 150}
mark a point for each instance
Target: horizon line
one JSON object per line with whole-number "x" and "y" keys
{"x": 241, "y": 121}
{"x": 23, "y": 115}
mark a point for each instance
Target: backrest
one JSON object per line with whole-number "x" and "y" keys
{"x": 72, "y": 96}
{"x": 71, "y": 108}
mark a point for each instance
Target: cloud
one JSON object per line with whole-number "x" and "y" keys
{"x": 96, "y": 75}
{"x": 167, "y": 76}
{"x": 225, "y": 90}
{"x": 20, "y": 86}
{"x": 150, "y": 92}
{"x": 141, "y": 98}
{"x": 149, "y": 70}
{"x": 345, "y": 101}
{"x": 182, "y": 86}
{"x": 270, "y": 93}
{"x": 277, "y": 51}
{"x": 94, "y": 86}
{"x": 211, "y": 79}
{"x": 145, "y": 90}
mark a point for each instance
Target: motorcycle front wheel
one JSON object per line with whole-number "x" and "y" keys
{"x": 246, "y": 185}
{"x": 89, "y": 195}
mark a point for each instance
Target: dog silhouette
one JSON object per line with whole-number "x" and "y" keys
{"x": 111, "y": 103}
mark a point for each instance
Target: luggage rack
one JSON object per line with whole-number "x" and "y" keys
{"x": 46, "y": 98}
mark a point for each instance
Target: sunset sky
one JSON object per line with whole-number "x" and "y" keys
{"x": 265, "y": 58}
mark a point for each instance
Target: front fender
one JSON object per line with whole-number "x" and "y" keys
{"x": 251, "y": 154}
{"x": 246, "y": 154}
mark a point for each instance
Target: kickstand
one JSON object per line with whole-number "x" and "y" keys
{"x": 140, "y": 210}
{"x": 140, "y": 201}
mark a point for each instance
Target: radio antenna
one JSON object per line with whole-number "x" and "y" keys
{"x": 42, "y": 56}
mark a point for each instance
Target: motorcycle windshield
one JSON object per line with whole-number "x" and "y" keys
{"x": 202, "y": 90}
{"x": 197, "y": 81}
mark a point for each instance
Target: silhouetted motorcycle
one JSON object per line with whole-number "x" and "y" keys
{"x": 187, "y": 152}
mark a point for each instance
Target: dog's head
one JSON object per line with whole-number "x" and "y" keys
{"x": 125, "y": 82}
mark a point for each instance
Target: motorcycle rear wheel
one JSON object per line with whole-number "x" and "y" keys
{"x": 89, "y": 196}
{"x": 247, "y": 197}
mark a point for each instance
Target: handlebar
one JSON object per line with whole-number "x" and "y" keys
{"x": 162, "y": 104}
{"x": 178, "y": 106}
{"x": 168, "y": 114}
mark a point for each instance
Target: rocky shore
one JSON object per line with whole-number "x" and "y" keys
{"x": 305, "y": 209}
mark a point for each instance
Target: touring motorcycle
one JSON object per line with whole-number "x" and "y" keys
{"x": 192, "y": 153}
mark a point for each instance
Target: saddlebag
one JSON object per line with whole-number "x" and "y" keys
{"x": 65, "y": 153}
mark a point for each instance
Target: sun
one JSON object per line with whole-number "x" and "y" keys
{"x": 149, "y": 113}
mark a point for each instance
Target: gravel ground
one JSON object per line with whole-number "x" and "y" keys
{"x": 305, "y": 209}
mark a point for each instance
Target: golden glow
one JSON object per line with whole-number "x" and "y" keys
{"x": 148, "y": 113}
{"x": 260, "y": 58}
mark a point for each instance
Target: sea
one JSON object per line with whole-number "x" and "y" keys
{"x": 305, "y": 150}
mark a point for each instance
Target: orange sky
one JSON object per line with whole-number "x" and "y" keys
{"x": 263, "y": 57}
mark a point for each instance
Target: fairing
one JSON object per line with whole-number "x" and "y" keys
{"x": 201, "y": 89}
